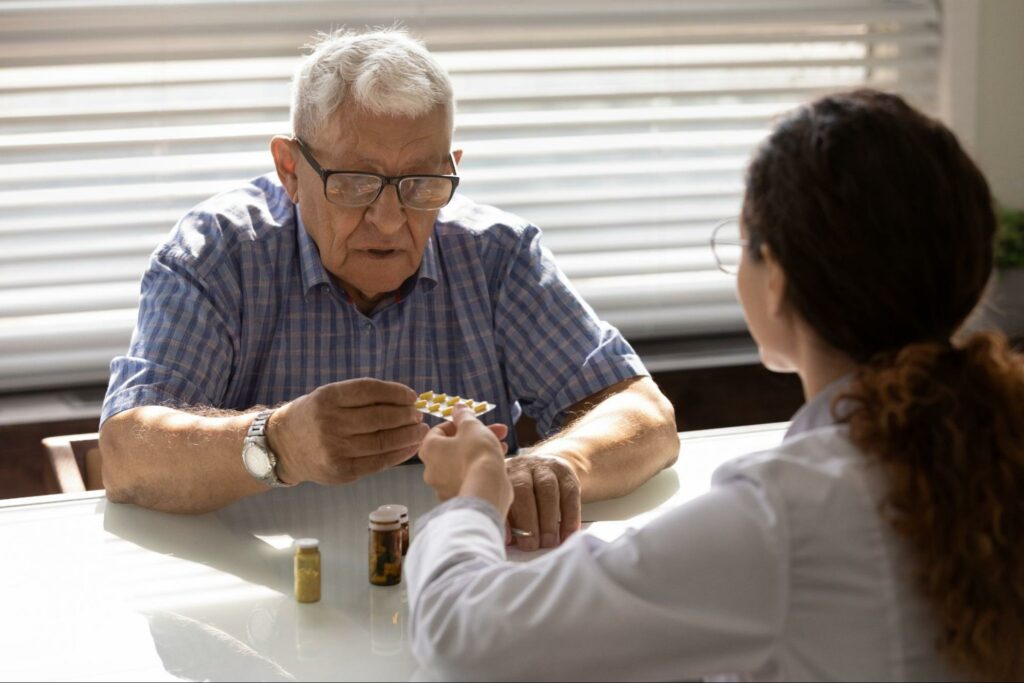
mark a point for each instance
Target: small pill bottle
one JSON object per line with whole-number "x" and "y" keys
{"x": 385, "y": 547}
{"x": 307, "y": 570}
{"x": 403, "y": 519}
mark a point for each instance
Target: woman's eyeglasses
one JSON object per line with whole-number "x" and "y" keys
{"x": 727, "y": 245}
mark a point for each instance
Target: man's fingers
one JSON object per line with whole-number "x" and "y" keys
{"x": 569, "y": 502}
{"x": 356, "y": 468}
{"x": 376, "y": 418}
{"x": 365, "y": 391}
{"x": 523, "y": 513}
{"x": 546, "y": 492}
{"x": 362, "y": 445}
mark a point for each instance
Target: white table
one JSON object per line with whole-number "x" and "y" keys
{"x": 97, "y": 591}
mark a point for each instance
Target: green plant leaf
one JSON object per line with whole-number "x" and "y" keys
{"x": 1009, "y": 247}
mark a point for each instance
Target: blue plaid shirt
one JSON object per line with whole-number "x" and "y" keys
{"x": 237, "y": 310}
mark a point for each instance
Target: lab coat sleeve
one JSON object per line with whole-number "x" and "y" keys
{"x": 699, "y": 591}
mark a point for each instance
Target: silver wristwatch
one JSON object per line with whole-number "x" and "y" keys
{"x": 257, "y": 457}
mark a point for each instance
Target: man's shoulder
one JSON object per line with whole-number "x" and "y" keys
{"x": 258, "y": 210}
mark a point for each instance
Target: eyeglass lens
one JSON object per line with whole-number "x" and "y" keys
{"x": 728, "y": 246}
{"x": 417, "y": 192}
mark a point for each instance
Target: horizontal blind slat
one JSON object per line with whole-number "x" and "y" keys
{"x": 170, "y": 72}
{"x": 621, "y": 130}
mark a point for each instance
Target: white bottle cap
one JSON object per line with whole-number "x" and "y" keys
{"x": 306, "y": 543}
{"x": 384, "y": 519}
{"x": 403, "y": 512}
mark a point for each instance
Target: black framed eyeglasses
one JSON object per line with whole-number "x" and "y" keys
{"x": 727, "y": 245}
{"x": 422, "y": 191}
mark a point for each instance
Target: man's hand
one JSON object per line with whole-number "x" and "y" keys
{"x": 547, "y": 500}
{"x": 465, "y": 458}
{"x": 343, "y": 431}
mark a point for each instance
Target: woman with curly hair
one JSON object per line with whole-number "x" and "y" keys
{"x": 882, "y": 540}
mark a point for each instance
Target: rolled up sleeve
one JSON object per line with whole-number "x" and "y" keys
{"x": 185, "y": 340}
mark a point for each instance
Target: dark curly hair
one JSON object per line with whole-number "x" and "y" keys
{"x": 884, "y": 228}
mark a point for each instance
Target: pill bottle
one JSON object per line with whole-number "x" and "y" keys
{"x": 403, "y": 519}
{"x": 385, "y": 547}
{"x": 307, "y": 570}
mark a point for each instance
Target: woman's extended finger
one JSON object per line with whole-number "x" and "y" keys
{"x": 444, "y": 429}
{"x": 463, "y": 414}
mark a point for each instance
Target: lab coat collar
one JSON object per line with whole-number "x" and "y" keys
{"x": 819, "y": 411}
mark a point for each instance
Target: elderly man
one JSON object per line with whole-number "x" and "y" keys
{"x": 339, "y": 288}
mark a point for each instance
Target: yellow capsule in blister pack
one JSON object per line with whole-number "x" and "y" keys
{"x": 443, "y": 405}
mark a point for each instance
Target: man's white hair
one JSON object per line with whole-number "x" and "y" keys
{"x": 385, "y": 72}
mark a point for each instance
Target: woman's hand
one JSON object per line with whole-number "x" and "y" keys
{"x": 465, "y": 458}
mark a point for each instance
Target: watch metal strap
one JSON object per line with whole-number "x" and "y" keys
{"x": 259, "y": 425}
{"x": 258, "y": 430}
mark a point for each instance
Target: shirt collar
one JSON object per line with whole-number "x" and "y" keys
{"x": 315, "y": 275}
{"x": 312, "y": 268}
{"x": 430, "y": 267}
{"x": 818, "y": 411}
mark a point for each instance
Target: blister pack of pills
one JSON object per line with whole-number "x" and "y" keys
{"x": 443, "y": 405}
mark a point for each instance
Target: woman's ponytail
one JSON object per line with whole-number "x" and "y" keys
{"x": 947, "y": 426}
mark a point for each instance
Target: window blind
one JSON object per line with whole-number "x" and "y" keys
{"x": 621, "y": 129}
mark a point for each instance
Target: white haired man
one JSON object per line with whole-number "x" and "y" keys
{"x": 342, "y": 285}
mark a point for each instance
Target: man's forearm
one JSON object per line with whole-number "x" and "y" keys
{"x": 621, "y": 442}
{"x": 175, "y": 461}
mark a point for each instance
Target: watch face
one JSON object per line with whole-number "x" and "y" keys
{"x": 256, "y": 460}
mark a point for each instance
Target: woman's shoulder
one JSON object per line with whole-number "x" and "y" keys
{"x": 807, "y": 468}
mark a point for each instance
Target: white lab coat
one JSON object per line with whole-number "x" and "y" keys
{"x": 783, "y": 571}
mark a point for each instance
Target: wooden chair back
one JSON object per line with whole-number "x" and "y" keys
{"x": 73, "y": 463}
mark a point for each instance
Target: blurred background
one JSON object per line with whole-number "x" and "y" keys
{"x": 621, "y": 129}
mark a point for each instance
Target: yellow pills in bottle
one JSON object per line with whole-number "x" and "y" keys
{"x": 307, "y": 570}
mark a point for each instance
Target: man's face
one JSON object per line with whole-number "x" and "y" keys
{"x": 372, "y": 250}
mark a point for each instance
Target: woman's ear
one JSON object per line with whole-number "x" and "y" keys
{"x": 776, "y": 283}
{"x": 283, "y": 150}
